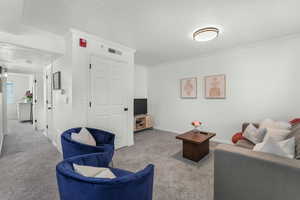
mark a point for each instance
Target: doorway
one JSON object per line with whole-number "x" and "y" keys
{"x": 23, "y": 89}
{"x": 19, "y": 97}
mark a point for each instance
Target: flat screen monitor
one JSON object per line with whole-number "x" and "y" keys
{"x": 140, "y": 106}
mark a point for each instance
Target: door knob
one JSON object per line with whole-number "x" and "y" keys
{"x": 125, "y": 109}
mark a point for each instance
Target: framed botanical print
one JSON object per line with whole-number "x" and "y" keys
{"x": 188, "y": 88}
{"x": 215, "y": 86}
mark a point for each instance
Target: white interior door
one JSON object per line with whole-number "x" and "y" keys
{"x": 109, "y": 98}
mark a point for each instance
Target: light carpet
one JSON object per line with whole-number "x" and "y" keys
{"x": 27, "y": 166}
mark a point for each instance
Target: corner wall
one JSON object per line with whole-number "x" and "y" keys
{"x": 140, "y": 81}
{"x": 62, "y": 118}
{"x": 261, "y": 82}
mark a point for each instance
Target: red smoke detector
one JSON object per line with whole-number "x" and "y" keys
{"x": 82, "y": 42}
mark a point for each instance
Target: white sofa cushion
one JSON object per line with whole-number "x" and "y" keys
{"x": 84, "y": 136}
{"x": 96, "y": 172}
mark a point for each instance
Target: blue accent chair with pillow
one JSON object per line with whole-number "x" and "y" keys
{"x": 126, "y": 185}
{"x": 104, "y": 143}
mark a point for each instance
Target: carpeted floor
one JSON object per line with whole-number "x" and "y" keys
{"x": 175, "y": 178}
{"x": 27, "y": 166}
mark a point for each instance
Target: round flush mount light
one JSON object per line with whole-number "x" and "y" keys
{"x": 205, "y": 34}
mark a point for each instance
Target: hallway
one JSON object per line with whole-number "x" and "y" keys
{"x": 27, "y": 165}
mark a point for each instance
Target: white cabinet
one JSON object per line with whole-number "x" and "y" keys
{"x": 24, "y": 111}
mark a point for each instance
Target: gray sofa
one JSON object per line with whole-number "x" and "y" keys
{"x": 243, "y": 174}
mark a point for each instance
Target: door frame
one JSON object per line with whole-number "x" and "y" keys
{"x": 48, "y": 98}
{"x": 34, "y": 102}
{"x": 3, "y": 109}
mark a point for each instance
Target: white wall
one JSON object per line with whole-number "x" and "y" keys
{"x": 140, "y": 82}
{"x": 70, "y": 109}
{"x": 262, "y": 81}
{"x": 62, "y": 118}
{"x": 21, "y": 83}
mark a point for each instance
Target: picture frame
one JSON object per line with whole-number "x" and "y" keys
{"x": 188, "y": 88}
{"x": 215, "y": 86}
{"x": 56, "y": 79}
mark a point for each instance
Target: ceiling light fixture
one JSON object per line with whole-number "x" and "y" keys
{"x": 205, "y": 34}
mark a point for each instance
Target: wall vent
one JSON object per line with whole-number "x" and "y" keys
{"x": 114, "y": 51}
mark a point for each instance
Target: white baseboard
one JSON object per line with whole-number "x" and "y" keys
{"x": 177, "y": 132}
{"x": 167, "y": 130}
{"x": 44, "y": 133}
{"x": 54, "y": 143}
{"x": 1, "y": 142}
{"x": 221, "y": 141}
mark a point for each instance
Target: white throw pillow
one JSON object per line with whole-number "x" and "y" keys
{"x": 270, "y": 146}
{"x": 284, "y": 148}
{"x": 84, "y": 136}
{"x": 96, "y": 172}
{"x": 277, "y": 134}
{"x": 253, "y": 134}
{"x": 288, "y": 146}
{"x": 283, "y": 125}
{"x": 269, "y": 123}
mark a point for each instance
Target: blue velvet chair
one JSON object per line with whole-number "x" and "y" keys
{"x": 104, "y": 142}
{"x": 127, "y": 185}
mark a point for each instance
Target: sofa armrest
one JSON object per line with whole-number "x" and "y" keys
{"x": 244, "y": 174}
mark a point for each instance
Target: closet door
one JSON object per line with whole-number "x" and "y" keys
{"x": 108, "y": 106}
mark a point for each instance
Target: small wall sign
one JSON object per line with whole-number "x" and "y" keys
{"x": 82, "y": 42}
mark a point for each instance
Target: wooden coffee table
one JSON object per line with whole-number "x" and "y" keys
{"x": 195, "y": 144}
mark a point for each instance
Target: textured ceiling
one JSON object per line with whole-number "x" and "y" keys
{"x": 20, "y": 59}
{"x": 160, "y": 30}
